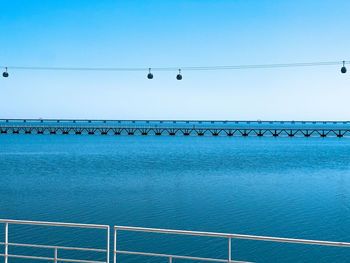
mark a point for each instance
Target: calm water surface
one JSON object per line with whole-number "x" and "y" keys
{"x": 287, "y": 187}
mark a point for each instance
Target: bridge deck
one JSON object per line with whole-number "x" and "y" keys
{"x": 176, "y": 128}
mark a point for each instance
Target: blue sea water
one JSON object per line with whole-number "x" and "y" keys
{"x": 286, "y": 187}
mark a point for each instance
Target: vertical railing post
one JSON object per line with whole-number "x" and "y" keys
{"x": 115, "y": 246}
{"x": 55, "y": 255}
{"x": 6, "y": 241}
{"x": 229, "y": 249}
{"x": 170, "y": 259}
{"x": 108, "y": 237}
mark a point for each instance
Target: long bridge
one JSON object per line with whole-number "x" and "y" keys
{"x": 176, "y": 127}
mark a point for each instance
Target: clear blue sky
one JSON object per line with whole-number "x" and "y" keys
{"x": 84, "y": 33}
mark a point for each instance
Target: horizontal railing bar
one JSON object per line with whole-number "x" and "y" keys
{"x": 176, "y": 256}
{"x": 46, "y": 258}
{"x": 292, "y": 240}
{"x": 78, "y": 260}
{"x": 58, "y": 247}
{"x": 28, "y": 257}
{"x": 171, "y": 231}
{"x": 43, "y": 223}
{"x": 237, "y": 236}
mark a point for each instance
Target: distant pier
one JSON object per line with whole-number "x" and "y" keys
{"x": 177, "y": 128}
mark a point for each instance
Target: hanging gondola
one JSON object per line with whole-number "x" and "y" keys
{"x": 5, "y": 74}
{"x": 179, "y": 76}
{"x": 343, "y": 69}
{"x": 150, "y": 75}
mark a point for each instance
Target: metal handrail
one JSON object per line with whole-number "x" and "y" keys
{"x": 58, "y": 247}
{"x": 44, "y": 223}
{"x": 55, "y": 259}
{"x": 212, "y": 234}
{"x": 170, "y": 257}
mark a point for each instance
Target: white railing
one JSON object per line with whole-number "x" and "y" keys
{"x": 211, "y": 234}
{"x": 55, "y": 258}
{"x": 55, "y": 249}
